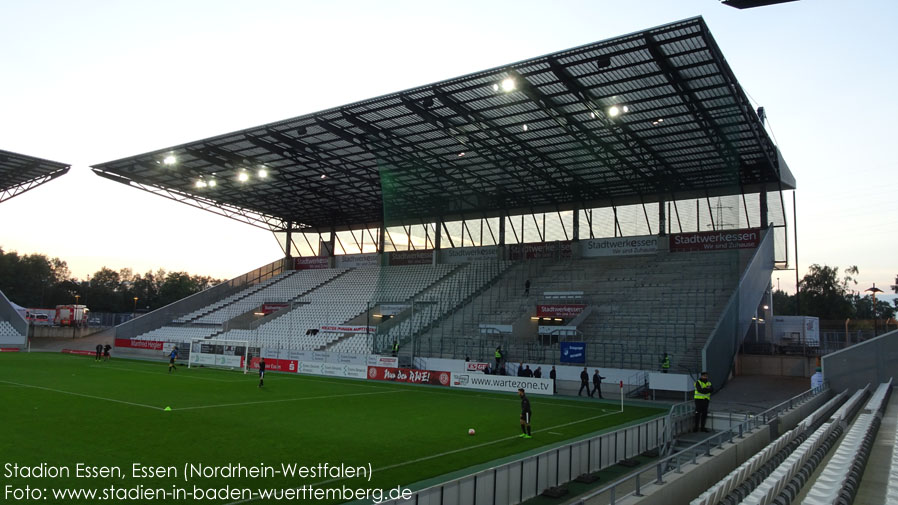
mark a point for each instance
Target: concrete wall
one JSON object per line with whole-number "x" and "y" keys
{"x": 788, "y": 366}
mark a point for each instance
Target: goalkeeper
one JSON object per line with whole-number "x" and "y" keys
{"x": 171, "y": 359}
{"x": 262, "y": 372}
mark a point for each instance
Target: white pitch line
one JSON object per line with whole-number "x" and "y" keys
{"x": 83, "y": 395}
{"x": 555, "y": 433}
{"x": 285, "y": 400}
{"x": 454, "y": 451}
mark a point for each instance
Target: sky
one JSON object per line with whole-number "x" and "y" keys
{"x": 93, "y": 81}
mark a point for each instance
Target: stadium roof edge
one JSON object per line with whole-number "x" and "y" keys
{"x": 20, "y": 173}
{"x": 462, "y": 147}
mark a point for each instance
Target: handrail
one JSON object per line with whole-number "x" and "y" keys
{"x": 675, "y": 461}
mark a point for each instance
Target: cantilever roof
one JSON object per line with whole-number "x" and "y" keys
{"x": 20, "y": 173}
{"x": 468, "y": 147}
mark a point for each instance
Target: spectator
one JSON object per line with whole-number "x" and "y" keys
{"x": 538, "y": 373}
{"x": 528, "y": 372}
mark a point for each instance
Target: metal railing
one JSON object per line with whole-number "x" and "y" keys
{"x": 675, "y": 462}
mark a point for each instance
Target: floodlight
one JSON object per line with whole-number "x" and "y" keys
{"x": 243, "y": 177}
{"x": 263, "y": 173}
{"x": 614, "y": 111}
{"x": 508, "y": 84}
{"x": 212, "y": 183}
{"x": 170, "y": 160}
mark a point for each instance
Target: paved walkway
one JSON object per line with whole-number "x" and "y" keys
{"x": 757, "y": 393}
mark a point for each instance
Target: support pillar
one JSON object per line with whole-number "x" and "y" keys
{"x": 764, "y": 219}
{"x": 662, "y": 218}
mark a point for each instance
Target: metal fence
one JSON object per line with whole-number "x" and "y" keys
{"x": 874, "y": 361}
{"x": 720, "y": 349}
{"x": 520, "y": 480}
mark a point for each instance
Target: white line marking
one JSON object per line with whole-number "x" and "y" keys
{"x": 285, "y": 400}
{"x": 83, "y": 395}
{"x": 555, "y": 433}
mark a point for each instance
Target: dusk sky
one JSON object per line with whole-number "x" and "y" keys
{"x": 93, "y": 81}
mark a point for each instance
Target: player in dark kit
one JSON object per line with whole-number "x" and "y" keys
{"x": 262, "y": 372}
{"x": 526, "y": 414}
{"x": 99, "y": 352}
{"x": 106, "y": 349}
{"x": 171, "y": 359}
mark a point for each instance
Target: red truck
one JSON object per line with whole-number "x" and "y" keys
{"x": 71, "y": 315}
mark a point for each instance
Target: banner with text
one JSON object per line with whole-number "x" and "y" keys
{"x": 311, "y": 263}
{"x": 540, "y": 250}
{"x": 471, "y": 366}
{"x": 274, "y": 364}
{"x": 357, "y": 260}
{"x": 619, "y": 246}
{"x": 393, "y": 308}
{"x": 199, "y": 358}
{"x": 469, "y": 254}
{"x": 151, "y": 345}
{"x": 560, "y": 310}
{"x": 332, "y": 369}
{"x": 556, "y": 330}
{"x": 422, "y": 257}
{"x": 715, "y": 240}
{"x": 383, "y": 361}
{"x": 79, "y": 352}
{"x": 270, "y": 307}
{"x": 336, "y": 328}
{"x": 9, "y": 349}
{"x": 411, "y": 376}
{"x": 573, "y": 352}
{"x": 502, "y": 383}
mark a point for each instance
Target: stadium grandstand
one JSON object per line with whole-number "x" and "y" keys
{"x": 628, "y": 181}
{"x": 601, "y": 206}
{"x": 20, "y": 173}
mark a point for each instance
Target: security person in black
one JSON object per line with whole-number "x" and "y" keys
{"x": 597, "y": 384}
{"x": 525, "y": 414}
{"x": 395, "y": 348}
{"x": 584, "y": 382}
{"x": 702, "y": 400}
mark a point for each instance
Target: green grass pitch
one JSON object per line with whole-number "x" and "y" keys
{"x": 64, "y": 410}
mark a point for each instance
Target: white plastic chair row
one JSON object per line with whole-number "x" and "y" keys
{"x": 7, "y": 330}
{"x": 892, "y": 489}
{"x": 832, "y": 479}
{"x": 777, "y": 480}
{"x": 826, "y": 488}
{"x": 735, "y": 478}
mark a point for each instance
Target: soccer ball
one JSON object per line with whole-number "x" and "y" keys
{"x": 471, "y": 431}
